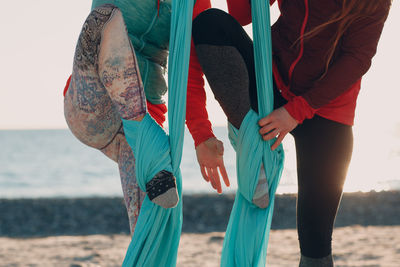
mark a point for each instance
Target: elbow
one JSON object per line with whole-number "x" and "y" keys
{"x": 357, "y": 63}
{"x": 363, "y": 64}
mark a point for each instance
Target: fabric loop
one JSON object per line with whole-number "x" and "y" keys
{"x": 152, "y": 149}
{"x": 156, "y": 238}
{"x": 247, "y": 234}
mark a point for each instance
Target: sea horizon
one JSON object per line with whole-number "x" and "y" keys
{"x": 52, "y": 163}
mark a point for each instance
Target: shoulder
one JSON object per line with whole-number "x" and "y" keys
{"x": 375, "y": 19}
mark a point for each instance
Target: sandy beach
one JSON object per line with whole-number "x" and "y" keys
{"x": 94, "y": 231}
{"x": 353, "y": 246}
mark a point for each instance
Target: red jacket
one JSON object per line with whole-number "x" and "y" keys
{"x": 297, "y": 68}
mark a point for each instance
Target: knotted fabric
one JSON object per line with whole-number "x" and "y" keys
{"x": 156, "y": 238}
{"x": 247, "y": 235}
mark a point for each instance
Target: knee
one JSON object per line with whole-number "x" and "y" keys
{"x": 100, "y": 15}
{"x": 213, "y": 25}
{"x": 118, "y": 150}
{"x": 91, "y": 32}
{"x": 105, "y": 9}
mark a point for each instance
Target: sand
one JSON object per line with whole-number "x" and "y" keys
{"x": 353, "y": 246}
{"x": 94, "y": 231}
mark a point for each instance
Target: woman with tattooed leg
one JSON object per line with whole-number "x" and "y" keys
{"x": 117, "y": 76}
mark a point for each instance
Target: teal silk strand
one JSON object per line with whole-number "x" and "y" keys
{"x": 156, "y": 238}
{"x": 247, "y": 234}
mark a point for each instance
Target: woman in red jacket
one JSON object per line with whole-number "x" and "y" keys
{"x": 321, "y": 49}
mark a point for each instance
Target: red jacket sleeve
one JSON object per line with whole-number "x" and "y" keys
{"x": 358, "y": 46}
{"x": 240, "y": 10}
{"x": 196, "y": 114}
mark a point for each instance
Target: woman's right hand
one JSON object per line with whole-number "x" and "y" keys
{"x": 277, "y": 124}
{"x": 210, "y": 157}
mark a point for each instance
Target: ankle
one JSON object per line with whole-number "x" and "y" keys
{"x": 162, "y": 190}
{"x": 326, "y": 261}
{"x": 261, "y": 194}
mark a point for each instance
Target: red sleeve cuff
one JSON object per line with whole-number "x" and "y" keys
{"x": 202, "y": 134}
{"x": 299, "y": 109}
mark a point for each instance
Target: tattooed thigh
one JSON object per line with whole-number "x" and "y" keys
{"x": 90, "y": 113}
{"x": 88, "y": 108}
{"x": 88, "y": 45}
{"x": 118, "y": 69}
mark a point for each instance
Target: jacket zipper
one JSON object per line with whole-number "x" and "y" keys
{"x": 303, "y": 27}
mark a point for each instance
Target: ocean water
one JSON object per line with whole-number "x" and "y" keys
{"x": 53, "y": 163}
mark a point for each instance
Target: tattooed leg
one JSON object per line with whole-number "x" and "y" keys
{"x": 119, "y": 73}
{"x": 88, "y": 109}
{"x": 91, "y": 114}
{"x": 133, "y": 196}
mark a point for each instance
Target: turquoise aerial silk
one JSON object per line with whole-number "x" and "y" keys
{"x": 247, "y": 235}
{"x": 156, "y": 238}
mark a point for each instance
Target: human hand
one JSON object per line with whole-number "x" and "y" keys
{"x": 277, "y": 124}
{"x": 210, "y": 157}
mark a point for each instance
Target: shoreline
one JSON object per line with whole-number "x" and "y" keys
{"x": 203, "y": 213}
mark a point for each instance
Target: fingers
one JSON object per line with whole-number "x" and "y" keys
{"x": 211, "y": 179}
{"x": 224, "y": 174}
{"x": 217, "y": 180}
{"x": 271, "y": 135}
{"x": 211, "y": 175}
{"x": 267, "y": 128}
{"x": 203, "y": 172}
{"x": 214, "y": 179}
{"x": 264, "y": 121}
{"x": 278, "y": 141}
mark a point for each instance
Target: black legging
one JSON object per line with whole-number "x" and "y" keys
{"x": 323, "y": 147}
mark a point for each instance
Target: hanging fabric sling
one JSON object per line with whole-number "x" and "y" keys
{"x": 247, "y": 234}
{"x": 156, "y": 238}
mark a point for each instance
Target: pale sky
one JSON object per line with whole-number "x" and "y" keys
{"x": 38, "y": 42}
